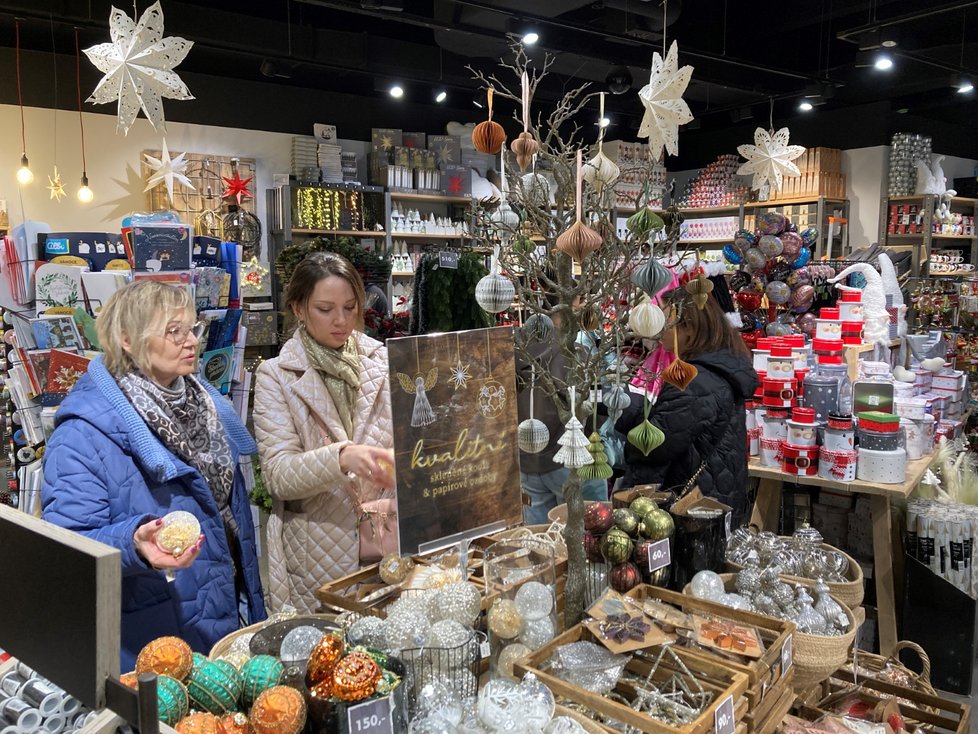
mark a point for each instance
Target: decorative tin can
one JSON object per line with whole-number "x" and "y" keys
{"x": 928, "y": 426}
{"x": 828, "y": 351}
{"x": 771, "y": 452}
{"x": 780, "y": 363}
{"x": 914, "y": 432}
{"x": 840, "y": 434}
{"x": 801, "y": 427}
{"x": 779, "y": 393}
{"x": 912, "y": 408}
{"x": 852, "y": 329}
{"x": 881, "y": 467}
{"x": 828, "y": 329}
{"x": 881, "y": 440}
{"x": 850, "y": 306}
{"x": 799, "y": 460}
{"x": 775, "y": 424}
{"x": 837, "y": 465}
{"x": 754, "y": 441}
{"x": 822, "y": 395}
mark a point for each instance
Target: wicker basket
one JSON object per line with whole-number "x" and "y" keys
{"x": 223, "y": 646}
{"x": 850, "y": 592}
{"x": 876, "y": 664}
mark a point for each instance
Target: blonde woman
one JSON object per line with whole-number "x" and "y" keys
{"x": 323, "y": 424}
{"x": 139, "y": 436}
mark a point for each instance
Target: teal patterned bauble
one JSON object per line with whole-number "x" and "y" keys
{"x": 198, "y": 660}
{"x": 171, "y": 699}
{"x": 258, "y": 674}
{"x": 214, "y": 687}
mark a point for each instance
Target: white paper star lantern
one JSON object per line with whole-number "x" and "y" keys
{"x": 138, "y": 66}
{"x": 166, "y": 170}
{"x": 662, "y": 97}
{"x": 769, "y": 158}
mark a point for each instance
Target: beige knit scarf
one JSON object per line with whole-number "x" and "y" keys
{"x": 340, "y": 370}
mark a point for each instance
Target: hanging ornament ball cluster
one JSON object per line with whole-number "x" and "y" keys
{"x": 488, "y": 136}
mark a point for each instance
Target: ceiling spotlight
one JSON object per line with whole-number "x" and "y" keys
{"x": 397, "y": 91}
{"x": 441, "y": 96}
{"x": 965, "y": 86}
{"x": 888, "y": 37}
{"x": 530, "y": 37}
{"x": 604, "y": 122}
{"x": 805, "y": 106}
{"x": 883, "y": 62}
{"x": 619, "y": 80}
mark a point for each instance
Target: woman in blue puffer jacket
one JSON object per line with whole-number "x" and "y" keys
{"x": 139, "y": 436}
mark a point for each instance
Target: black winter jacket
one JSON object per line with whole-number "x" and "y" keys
{"x": 706, "y": 421}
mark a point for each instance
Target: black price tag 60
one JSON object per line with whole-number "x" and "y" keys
{"x": 786, "y": 656}
{"x": 723, "y": 717}
{"x": 659, "y": 555}
{"x": 448, "y": 259}
{"x": 372, "y": 717}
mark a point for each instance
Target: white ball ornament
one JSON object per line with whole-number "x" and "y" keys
{"x": 537, "y": 633}
{"x": 534, "y": 600}
{"x": 707, "y": 585}
{"x": 460, "y": 602}
{"x": 646, "y": 319}
{"x": 495, "y": 293}
{"x": 532, "y": 435}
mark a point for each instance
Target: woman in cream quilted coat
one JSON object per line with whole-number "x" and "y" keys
{"x": 323, "y": 422}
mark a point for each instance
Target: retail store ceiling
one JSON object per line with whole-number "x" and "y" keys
{"x": 281, "y": 64}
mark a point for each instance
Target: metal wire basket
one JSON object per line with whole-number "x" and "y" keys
{"x": 457, "y": 667}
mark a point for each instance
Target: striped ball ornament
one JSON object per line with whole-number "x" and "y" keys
{"x": 172, "y": 700}
{"x": 494, "y": 293}
{"x": 214, "y": 687}
{"x": 532, "y": 435}
{"x": 259, "y": 674}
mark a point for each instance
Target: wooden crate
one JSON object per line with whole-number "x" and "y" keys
{"x": 720, "y": 680}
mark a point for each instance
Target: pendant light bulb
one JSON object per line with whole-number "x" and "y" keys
{"x": 24, "y": 173}
{"x": 85, "y": 195}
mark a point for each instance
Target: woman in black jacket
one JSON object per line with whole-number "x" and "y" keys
{"x": 705, "y": 423}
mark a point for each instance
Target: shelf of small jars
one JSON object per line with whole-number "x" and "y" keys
{"x": 426, "y": 236}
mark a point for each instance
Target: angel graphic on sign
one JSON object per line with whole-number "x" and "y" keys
{"x": 422, "y": 415}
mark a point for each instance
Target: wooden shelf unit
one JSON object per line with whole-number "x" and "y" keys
{"x": 923, "y": 242}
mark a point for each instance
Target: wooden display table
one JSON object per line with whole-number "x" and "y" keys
{"x": 767, "y": 507}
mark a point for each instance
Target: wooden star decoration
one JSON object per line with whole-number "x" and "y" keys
{"x": 665, "y": 109}
{"x": 167, "y": 170}
{"x": 237, "y": 188}
{"x": 769, "y": 158}
{"x": 56, "y": 186}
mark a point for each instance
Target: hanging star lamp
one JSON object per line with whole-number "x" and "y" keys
{"x": 770, "y": 159}
{"x": 525, "y": 146}
{"x": 488, "y": 136}
{"x": 578, "y": 240}
{"x": 24, "y": 173}
{"x": 237, "y": 187}
{"x": 85, "y": 195}
{"x": 646, "y": 436}
{"x": 532, "y": 435}
{"x": 662, "y": 98}
{"x": 167, "y": 170}
{"x": 599, "y": 468}
{"x": 601, "y": 171}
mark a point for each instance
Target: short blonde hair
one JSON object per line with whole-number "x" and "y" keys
{"x": 138, "y": 312}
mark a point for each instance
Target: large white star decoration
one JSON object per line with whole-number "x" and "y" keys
{"x": 769, "y": 158}
{"x": 138, "y": 66}
{"x": 167, "y": 170}
{"x": 665, "y": 109}
{"x": 56, "y": 186}
{"x": 460, "y": 375}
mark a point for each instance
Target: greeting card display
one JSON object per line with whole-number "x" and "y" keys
{"x": 98, "y": 248}
{"x": 58, "y": 332}
{"x": 161, "y": 247}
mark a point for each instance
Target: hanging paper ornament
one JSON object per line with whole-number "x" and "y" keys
{"x": 505, "y": 221}
{"x": 534, "y": 190}
{"x": 538, "y": 328}
{"x": 644, "y": 222}
{"x": 488, "y": 137}
{"x": 699, "y": 288}
{"x": 138, "y": 66}
{"x": 166, "y": 170}
{"x": 679, "y": 373}
{"x": 601, "y": 171}
{"x": 237, "y": 188}
{"x": 665, "y": 109}
{"x": 579, "y": 240}
{"x": 616, "y": 399}
{"x": 599, "y": 468}
{"x": 495, "y": 292}
{"x": 646, "y": 436}
{"x": 646, "y": 319}
{"x": 525, "y": 146}
{"x": 56, "y": 186}
{"x": 770, "y": 158}
{"x": 532, "y": 435}
{"x": 652, "y": 277}
{"x": 573, "y": 452}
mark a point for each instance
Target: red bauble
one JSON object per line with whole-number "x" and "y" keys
{"x": 592, "y": 547}
{"x": 625, "y": 577}
{"x": 748, "y": 300}
{"x": 598, "y": 518}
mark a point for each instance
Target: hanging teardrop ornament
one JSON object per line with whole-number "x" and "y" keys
{"x": 579, "y": 240}
{"x": 700, "y": 288}
{"x": 646, "y": 436}
{"x": 488, "y": 137}
{"x": 679, "y": 373}
{"x": 652, "y": 277}
{"x": 601, "y": 171}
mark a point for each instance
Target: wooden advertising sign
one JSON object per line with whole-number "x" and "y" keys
{"x": 453, "y": 399}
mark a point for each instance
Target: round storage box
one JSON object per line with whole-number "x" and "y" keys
{"x": 879, "y": 440}
{"x": 799, "y": 460}
{"x": 779, "y": 393}
{"x": 822, "y": 394}
{"x": 828, "y": 329}
{"x": 912, "y": 408}
{"x": 881, "y": 467}
{"x": 775, "y": 424}
{"x": 840, "y": 434}
{"x": 914, "y": 433}
{"x": 801, "y": 427}
{"x": 839, "y": 466}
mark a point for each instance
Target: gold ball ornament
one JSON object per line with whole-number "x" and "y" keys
{"x": 236, "y": 723}
{"x": 524, "y": 148}
{"x": 355, "y": 677}
{"x": 505, "y": 620}
{"x": 323, "y": 659}
{"x": 508, "y": 657}
{"x": 657, "y": 525}
{"x": 166, "y": 656}
{"x": 279, "y": 710}
{"x": 394, "y": 568}
{"x": 200, "y": 724}
{"x": 578, "y": 241}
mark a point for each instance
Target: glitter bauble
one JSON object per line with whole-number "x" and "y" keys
{"x": 279, "y": 710}
{"x": 355, "y": 677}
{"x": 166, "y": 656}
{"x": 641, "y": 506}
{"x": 367, "y": 631}
{"x": 237, "y": 659}
{"x": 707, "y": 585}
{"x": 626, "y": 520}
{"x": 537, "y": 633}
{"x": 323, "y": 658}
{"x": 236, "y": 723}
{"x": 214, "y": 687}
{"x": 534, "y": 600}
{"x": 461, "y": 602}
{"x": 405, "y": 631}
{"x": 748, "y": 581}
{"x": 499, "y": 706}
{"x": 180, "y": 531}
{"x": 592, "y": 547}
{"x": 616, "y": 546}
{"x": 657, "y": 525}
{"x": 172, "y": 700}
{"x": 508, "y": 657}
{"x": 505, "y": 620}
{"x": 200, "y": 724}
{"x": 418, "y": 603}
{"x": 394, "y": 568}
{"x": 625, "y": 577}
{"x": 259, "y": 674}
{"x": 299, "y": 642}
{"x": 448, "y": 634}
{"x": 598, "y": 518}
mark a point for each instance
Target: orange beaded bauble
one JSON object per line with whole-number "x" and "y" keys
{"x": 323, "y": 659}
{"x": 355, "y": 677}
{"x": 236, "y": 723}
{"x": 279, "y": 710}
{"x": 129, "y": 679}
{"x": 166, "y": 656}
{"x": 200, "y": 724}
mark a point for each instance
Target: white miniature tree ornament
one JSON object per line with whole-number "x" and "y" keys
{"x": 573, "y": 452}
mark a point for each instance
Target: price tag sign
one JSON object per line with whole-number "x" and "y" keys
{"x": 374, "y": 717}
{"x": 448, "y": 259}
{"x": 484, "y": 649}
{"x": 787, "y": 656}
{"x": 723, "y": 717}
{"x": 659, "y": 555}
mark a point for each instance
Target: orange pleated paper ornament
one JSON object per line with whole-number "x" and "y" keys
{"x": 525, "y": 146}
{"x": 579, "y": 240}
{"x": 488, "y": 137}
{"x": 679, "y": 373}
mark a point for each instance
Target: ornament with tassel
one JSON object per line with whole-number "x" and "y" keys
{"x": 525, "y": 146}
{"x": 573, "y": 452}
{"x": 646, "y": 436}
{"x": 488, "y": 137}
{"x": 601, "y": 171}
{"x": 579, "y": 240}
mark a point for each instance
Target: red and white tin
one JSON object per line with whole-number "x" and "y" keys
{"x": 771, "y": 452}
{"x": 839, "y": 466}
{"x": 775, "y": 424}
{"x": 779, "y": 393}
{"x": 850, "y": 306}
{"x": 754, "y": 441}
{"x": 799, "y": 460}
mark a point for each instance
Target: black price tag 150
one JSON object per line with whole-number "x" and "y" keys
{"x": 372, "y": 717}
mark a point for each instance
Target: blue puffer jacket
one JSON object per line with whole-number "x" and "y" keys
{"x": 106, "y": 473}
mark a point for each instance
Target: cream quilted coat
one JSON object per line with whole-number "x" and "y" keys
{"x": 312, "y": 532}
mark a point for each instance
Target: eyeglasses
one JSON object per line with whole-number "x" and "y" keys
{"x": 179, "y": 333}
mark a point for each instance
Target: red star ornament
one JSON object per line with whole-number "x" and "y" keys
{"x": 237, "y": 187}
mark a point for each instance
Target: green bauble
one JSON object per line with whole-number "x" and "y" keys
{"x": 214, "y": 687}
{"x": 198, "y": 660}
{"x": 657, "y": 525}
{"x": 172, "y": 700}
{"x": 258, "y": 674}
{"x": 642, "y": 506}
{"x": 616, "y": 546}
{"x": 626, "y": 520}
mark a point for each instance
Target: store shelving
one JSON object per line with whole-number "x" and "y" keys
{"x": 921, "y": 216}
{"x": 340, "y": 232}
{"x": 825, "y": 210}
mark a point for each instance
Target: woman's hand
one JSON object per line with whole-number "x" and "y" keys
{"x": 145, "y": 541}
{"x": 368, "y": 462}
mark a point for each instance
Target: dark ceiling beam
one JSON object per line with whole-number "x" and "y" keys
{"x": 851, "y": 34}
